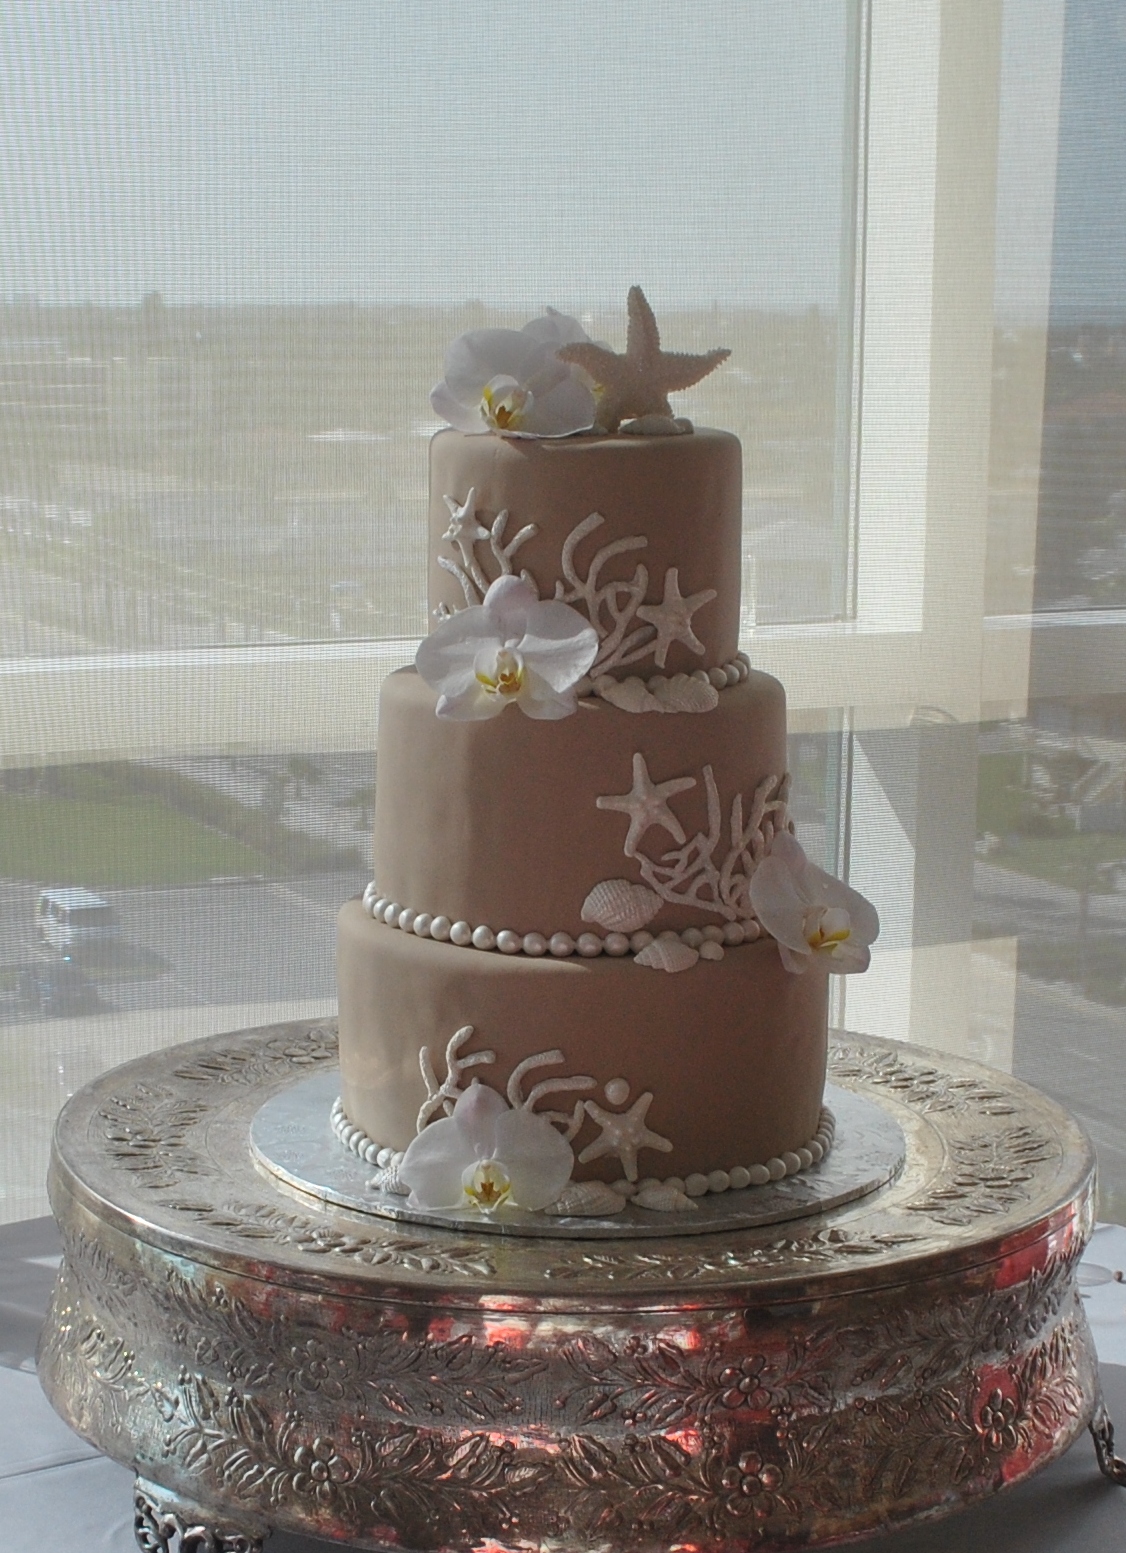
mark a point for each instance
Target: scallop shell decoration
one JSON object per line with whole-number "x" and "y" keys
{"x": 628, "y": 694}
{"x": 667, "y": 954}
{"x": 621, "y": 907}
{"x": 586, "y": 1200}
{"x": 682, "y": 693}
{"x": 663, "y": 1198}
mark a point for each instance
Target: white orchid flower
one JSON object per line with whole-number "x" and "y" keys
{"x": 485, "y": 1155}
{"x": 813, "y": 916}
{"x": 511, "y": 381}
{"x": 509, "y": 649}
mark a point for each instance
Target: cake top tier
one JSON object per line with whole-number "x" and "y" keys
{"x": 642, "y": 535}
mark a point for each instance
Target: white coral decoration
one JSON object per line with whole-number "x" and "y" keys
{"x": 487, "y": 1154}
{"x": 509, "y": 649}
{"x": 511, "y": 381}
{"x": 812, "y": 915}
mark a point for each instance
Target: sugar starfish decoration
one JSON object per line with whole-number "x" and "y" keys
{"x": 672, "y": 617}
{"x": 464, "y": 528}
{"x": 638, "y": 383}
{"x": 624, "y": 1133}
{"x": 646, "y": 804}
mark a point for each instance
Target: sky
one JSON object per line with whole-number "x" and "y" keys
{"x": 374, "y": 151}
{"x": 380, "y": 152}
{"x": 1089, "y": 255}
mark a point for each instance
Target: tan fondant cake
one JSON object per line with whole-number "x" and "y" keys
{"x": 592, "y": 966}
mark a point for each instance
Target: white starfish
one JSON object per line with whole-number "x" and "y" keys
{"x": 624, "y": 1134}
{"x": 673, "y": 616}
{"x": 464, "y": 528}
{"x": 638, "y": 383}
{"x": 645, "y": 804}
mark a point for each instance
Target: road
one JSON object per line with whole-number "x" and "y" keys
{"x": 244, "y": 942}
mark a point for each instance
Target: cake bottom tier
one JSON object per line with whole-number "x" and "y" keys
{"x": 733, "y": 1052}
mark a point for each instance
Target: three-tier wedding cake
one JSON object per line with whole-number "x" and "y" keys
{"x": 591, "y": 970}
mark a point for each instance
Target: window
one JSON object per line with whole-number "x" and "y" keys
{"x": 239, "y": 242}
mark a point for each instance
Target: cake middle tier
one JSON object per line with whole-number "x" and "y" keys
{"x": 511, "y": 823}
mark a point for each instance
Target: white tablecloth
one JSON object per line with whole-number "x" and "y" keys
{"x": 59, "y": 1496}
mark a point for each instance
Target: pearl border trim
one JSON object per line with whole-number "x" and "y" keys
{"x": 709, "y": 941}
{"x": 696, "y": 1185}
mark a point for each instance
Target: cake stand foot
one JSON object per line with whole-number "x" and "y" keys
{"x": 1102, "y": 1432}
{"x": 165, "y": 1523}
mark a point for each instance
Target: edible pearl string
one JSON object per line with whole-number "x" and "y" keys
{"x": 710, "y": 941}
{"x": 698, "y": 1184}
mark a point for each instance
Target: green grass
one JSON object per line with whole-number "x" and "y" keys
{"x": 134, "y": 840}
{"x": 999, "y": 801}
{"x": 1060, "y": 855}
{"x": 1072, "y": 860}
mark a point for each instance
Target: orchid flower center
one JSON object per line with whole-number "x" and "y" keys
{"x": 506, "y": 677}
{"x": 486, "y": 1184}
{"x": 505, "y": 404}
{"x": 827, "y": 927}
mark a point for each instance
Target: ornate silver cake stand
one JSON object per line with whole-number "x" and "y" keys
{"x": 264, "y": 1358}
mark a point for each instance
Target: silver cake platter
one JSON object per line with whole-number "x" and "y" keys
{"x": 291, "y": 1137}
{"x": 265, "y": 1358}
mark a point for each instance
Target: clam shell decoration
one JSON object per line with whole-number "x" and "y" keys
{"x": 621, "y": 907}
{"x": 663, "y": 1198}
{"x": 682, "y": 693}
{"x": 667, "y": 954}
{"x": 628, "y": 694}
{"x": 586, "y": 1200}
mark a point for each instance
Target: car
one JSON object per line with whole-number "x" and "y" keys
{"x": 69, "y": 918}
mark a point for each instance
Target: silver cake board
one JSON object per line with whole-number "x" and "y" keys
{"x": 291, "y": 1138}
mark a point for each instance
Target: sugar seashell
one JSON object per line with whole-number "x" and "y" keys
{"x": 630, "y": 695}
{"x": 667, "y": 954}
{"x": 663, "y": 1198}
{"x": 710, "y": 950}
{"x": 619, "y": 906}
{"x": 389, "y": 1180}
{"x": 587, "y": 1200}
{"x": 683, "y": 693}
{"x": 654, "y": 425}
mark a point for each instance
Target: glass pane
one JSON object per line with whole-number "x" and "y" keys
{"x": 237, "y": 242}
